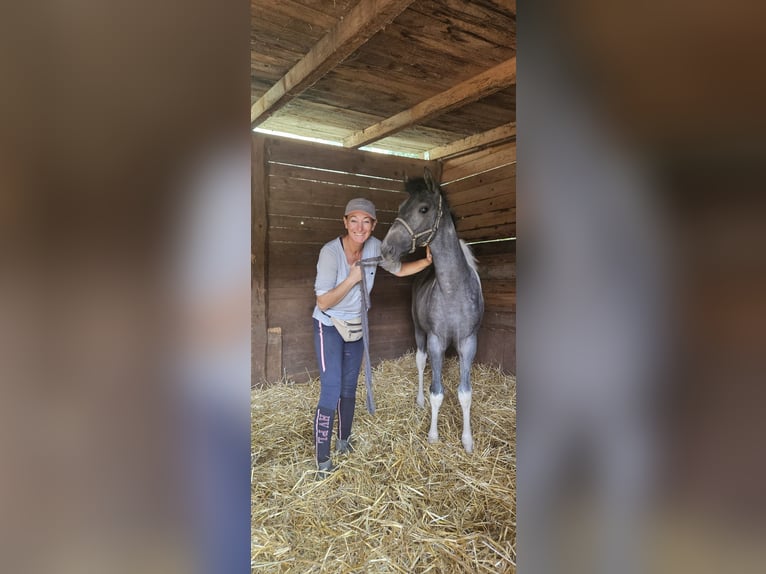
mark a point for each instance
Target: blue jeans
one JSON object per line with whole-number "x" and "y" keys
{"x": 339, "y": 364}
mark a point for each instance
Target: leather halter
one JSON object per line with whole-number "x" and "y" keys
{"x": 430, "y": 232}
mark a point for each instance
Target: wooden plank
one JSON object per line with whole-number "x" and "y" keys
{"x": 298, "y": 364}
{"x": 291, "y": 293}
{"x": 450, "y": 32}
{"x": 304, "y": 280}
{"x": 497, "y": 202}
{"x": 488, "y": 233}
{"x": 393, "y": 351}
{"x": 332, "y": 227}
{"x": 479, "y": 116}
{"x": 309, "y": 237}
{"x": 295, "y": 322}
{"x": 476, "y": 27}
{"x": 490, "y": 137}
{"x": 259, "y": 303}
{"x": 484, "y": 220}
{"x": 336, "y": 8}
{"x": 485, "y": 160}
{"x": 330, "y": 201}
{"x": 344, "y": 119}
{"x": 297, "y": 208}
{"x": 471, "y": 90}
{"x": 498, "y": 286}
{"x": 274, "y": 354}
{"x": 321, "y": 14}
{"x": 287, "y": 254}
{"x": 308, "y": 154}
{"x": 491, "y": 162}
{"x": 501, "y": 300}
{"x": 460, "y": 199}
{"x": 497, "y": 267}
{"x": 499, "y": 318}
{"x": 482, "y": 250}
{"x": 299, "y": 338}
{"x": 477, "y": 155}
{"x": 496, "y": 175}
{"x": 503, "y": 154}
{"x": 323, "y": 194}
{"x": 352, "y": 180}
{"x": 496, "y": 347}
{"x": 300, "y": 271}
{"x": 364, "y": 20}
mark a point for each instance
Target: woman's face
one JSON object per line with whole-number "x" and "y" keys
{"x": 359, "y": 226}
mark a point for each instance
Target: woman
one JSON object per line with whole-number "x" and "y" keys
{"x": 339, "y": 300}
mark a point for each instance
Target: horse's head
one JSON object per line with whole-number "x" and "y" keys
{"x": 418, "y": 218}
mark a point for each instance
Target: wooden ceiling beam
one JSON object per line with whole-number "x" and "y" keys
{"x": 362, "y": 22}
{"x": 476, "y": 141}
{"x": 495, "y": 79}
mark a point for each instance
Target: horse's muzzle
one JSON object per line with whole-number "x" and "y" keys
{"x": 395, "y": 244}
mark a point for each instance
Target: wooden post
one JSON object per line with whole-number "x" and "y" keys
{"x": 274, "y": 354}
{"x": 259, "y": 294}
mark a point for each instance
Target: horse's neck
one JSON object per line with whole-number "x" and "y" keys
{"x": 450, "y": 265}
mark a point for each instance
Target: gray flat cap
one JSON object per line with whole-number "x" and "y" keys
{"x": 361, "y": 204}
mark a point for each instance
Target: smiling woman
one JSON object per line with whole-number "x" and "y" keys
{"x": 338, "y": 339}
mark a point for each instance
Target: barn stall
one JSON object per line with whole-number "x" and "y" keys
{"x": 431, "y": 81}
{"x": 383, "y": 89}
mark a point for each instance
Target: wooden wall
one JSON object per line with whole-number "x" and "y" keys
{"x": 481, "y": 190}
{"x": 299, "y": 193}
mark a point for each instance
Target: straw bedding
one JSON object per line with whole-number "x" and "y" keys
{"x": 396, "y": 504}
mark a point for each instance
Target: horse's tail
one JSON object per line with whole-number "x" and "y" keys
{"x": 470, "y": 259}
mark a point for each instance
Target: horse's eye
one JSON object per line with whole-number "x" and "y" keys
{"x": 423, "y": 209}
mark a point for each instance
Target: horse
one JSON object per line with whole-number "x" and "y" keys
{"x": 447, "y": 301}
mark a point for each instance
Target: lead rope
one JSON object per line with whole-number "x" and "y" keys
{"x": 366, "y": 331}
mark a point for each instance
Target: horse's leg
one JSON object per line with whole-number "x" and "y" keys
{"x": 436, "y": 352}
{"x": 466, "y": 351}
{"x": 420, "y": 358}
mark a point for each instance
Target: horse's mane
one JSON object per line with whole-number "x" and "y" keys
{"x": 470, "y": 259}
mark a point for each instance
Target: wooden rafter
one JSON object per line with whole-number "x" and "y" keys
{"x": 361, "y": 23}
{"x": 471, "y": 90}
{"x": 493, "y": 136}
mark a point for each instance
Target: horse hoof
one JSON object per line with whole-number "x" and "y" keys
{"x": 421, "y": 402}
{"x": 468, "y": 445}
{"x": 432, "y": 438}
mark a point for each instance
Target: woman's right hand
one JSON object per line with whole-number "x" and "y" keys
{"x": 355, "y": 274}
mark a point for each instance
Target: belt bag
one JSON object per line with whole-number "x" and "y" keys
{"x": 350, "y": 330}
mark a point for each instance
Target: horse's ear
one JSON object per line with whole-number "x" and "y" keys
{"x": 428, "y": 176}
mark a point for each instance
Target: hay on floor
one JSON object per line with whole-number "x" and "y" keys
{"x": 398, "y": 503}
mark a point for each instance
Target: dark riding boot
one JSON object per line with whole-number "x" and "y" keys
{"x": 323, "y": 423}
{"x": 346, "y": 407}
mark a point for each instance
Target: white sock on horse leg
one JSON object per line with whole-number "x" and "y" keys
{"x": 465, "y": 402}
{"x": 420, "y": 360}
{"x": 436, "y": 403}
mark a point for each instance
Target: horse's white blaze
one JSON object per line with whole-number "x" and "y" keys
{"x": 436, "y": 403}
{"x": 420, "y": 360}
{"x": 465, "y": 402}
